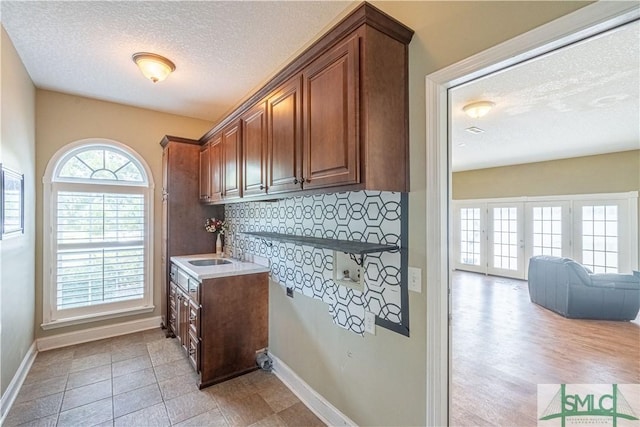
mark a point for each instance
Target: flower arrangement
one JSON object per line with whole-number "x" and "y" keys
{"x": 213, "y": 225}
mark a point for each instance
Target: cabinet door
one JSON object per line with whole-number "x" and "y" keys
{"x": 331, "y": 104}
{"x": 194, "y": 319}
{"x": 193, "y": 351}
{"x": 215, "y": 168}
{"x": 254, "y": 150}
{"x": 183, "y": 319}
{"x": 172, "y": 312}
{"x": 164, "y": 268}
{"x": 231, "y": 161}
{"x": 181, "y": 313}
{"x": 205, "y": 174}
{"x": 284, "y": 171}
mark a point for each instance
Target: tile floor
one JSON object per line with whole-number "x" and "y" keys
{"x": 144, "y": 379}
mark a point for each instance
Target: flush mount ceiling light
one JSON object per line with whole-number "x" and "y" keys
{"x": 478, "y": 109}
{"x": 154, "y": 67}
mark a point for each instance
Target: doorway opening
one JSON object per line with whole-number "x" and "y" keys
{"x": 580, "y": 25}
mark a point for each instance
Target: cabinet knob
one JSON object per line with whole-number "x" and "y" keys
{"x": 262, "y": 187}
{"x": 302, "y": 181}
{"x": 295, "y": 180}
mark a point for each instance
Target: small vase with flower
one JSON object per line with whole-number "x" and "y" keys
{"x": 214, "y": 225}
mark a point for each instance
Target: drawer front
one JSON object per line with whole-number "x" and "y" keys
{"x": 174, "y": 273}
{"x": 183, "y": 280}
{"x": 194, "y": 351}
{"x": 194, "y": 319}
{"x": 193, "y": 289}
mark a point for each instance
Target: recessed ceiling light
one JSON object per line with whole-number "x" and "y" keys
{"x": 475, "y": 110}
{"x": 474, "y": 130}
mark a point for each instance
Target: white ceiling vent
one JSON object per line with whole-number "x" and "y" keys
{"x": 474, "y": 130}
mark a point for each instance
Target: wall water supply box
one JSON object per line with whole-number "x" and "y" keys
{"x": 347, "y": 272}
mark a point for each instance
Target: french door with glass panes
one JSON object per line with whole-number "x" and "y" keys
{"x": 470, "y": 237}
{"x": 505, "y": 243}
{"x": 548, "y": 229}
{"x": 605, "y": 236}
{"x": 499, "y": 238}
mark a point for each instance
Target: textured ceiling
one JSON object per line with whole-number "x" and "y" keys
{"x": 577, "y": 101}
{"x": 222, "y": 49}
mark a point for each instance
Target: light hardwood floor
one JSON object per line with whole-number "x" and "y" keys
{"x": 503, "y": 346}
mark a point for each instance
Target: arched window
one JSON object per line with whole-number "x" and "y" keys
{"x": 98, "y": 214}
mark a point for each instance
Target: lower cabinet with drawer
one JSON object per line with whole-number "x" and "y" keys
{"x": 221, "y": 323}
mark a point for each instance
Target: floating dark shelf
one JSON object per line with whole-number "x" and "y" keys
{"x": 347, "y": 246}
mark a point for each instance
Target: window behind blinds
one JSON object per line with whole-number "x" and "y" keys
{"x": 100, "y": 248}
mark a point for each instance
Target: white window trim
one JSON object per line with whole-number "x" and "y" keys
{"x": 49, "y": 320}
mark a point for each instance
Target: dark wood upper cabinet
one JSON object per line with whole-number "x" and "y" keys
{"x": 205, "y": 180}
{"x": 337, "y": 117}
{"x": 331, "y": 133}
{"x": 284, "y": 159}
{"x": 210, "y": 178}
{"x": 215, "y": 168}
{"x": 254, "y": 150}
{"x": 231, "y": 161}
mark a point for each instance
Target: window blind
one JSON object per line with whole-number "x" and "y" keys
{"x": 100, "y": 248}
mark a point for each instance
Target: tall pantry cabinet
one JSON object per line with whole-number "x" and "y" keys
{"x": 183, "y": 216}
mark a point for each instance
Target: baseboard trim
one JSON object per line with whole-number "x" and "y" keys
{"x": 12, "y": 390}
{"x": 324, "y": 410}
{"x": 98, "y": 333}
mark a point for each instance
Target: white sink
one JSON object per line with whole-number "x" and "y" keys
{"x": 210, "y": 266}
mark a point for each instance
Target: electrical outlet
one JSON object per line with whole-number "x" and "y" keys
{"x": 370, "y": 322}
{"x": 415, "y": 279}
{"x": 290, "y": 292}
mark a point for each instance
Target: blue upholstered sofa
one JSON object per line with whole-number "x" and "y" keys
{"x": 568, "y": 288}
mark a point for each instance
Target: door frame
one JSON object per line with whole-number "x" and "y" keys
{"x": 583, "y": 23}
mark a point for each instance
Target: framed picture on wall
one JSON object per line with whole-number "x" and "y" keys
{"x": 11, "y": 203}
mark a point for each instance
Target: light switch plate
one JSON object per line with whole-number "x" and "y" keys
{"x": 415, "y": 279}
{"x": 369, "y": 322}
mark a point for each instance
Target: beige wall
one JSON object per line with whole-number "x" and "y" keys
{"x": 605, "y": 173}
{"x": 61, "y": 119}
{"x": 375, "y": 380}
{"x": 17, "y": 254}
{"x": 380, "y": 380}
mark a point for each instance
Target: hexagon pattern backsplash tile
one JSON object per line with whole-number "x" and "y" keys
{"x": 360, "y": 216}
